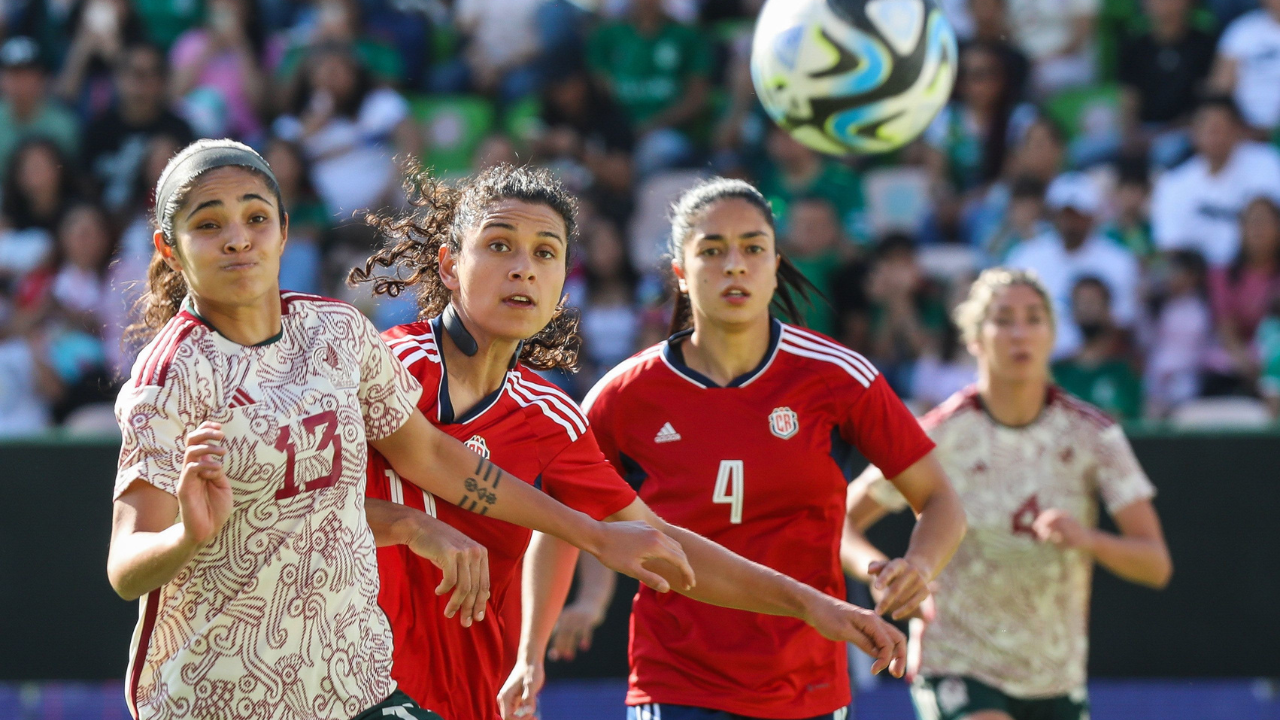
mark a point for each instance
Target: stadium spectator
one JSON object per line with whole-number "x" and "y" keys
{"x": 969, "y": 140}
{"x": 1073, "y": 250}
{"x": 1183, "y": 328}
{"x": 991, "y": 28}
{"x": 1248, "y": 65}
{"x": 659, "y": 71}
{"x": 817, "y": 247}
{"x": 85, "y": 246}
{"x": 1241, "y": 295}
{"x": 1058, "y": 39}
{"x": 115, "y": 141}
{"x": 326, "y": 24}
{"x": 302, "y": 262}
{"x": 1197, "y": 204}
{"x": 29, "y": 386}
{"x": 38, "y": 185}
{"x": 26, "y": 109}
{"x": 610, "y": 325}
{"x": 942, "y": 371}
{"x": 1130, "y": 225}
{"x": 217, "y": 69}
{"x": 1039, "y": 155}
{"x": 166, "y": 20}
{"x": 908, "y": 310}
{"x": 101, "y": 30}
{"x": 1268, "y": 341}
{"x": 1024, "y": 220}
{"x": 793, "y": 171}
{"x": 1161, "y": 70}
{"x": 350, "y": 131}
{"x": 1099, "y": 371}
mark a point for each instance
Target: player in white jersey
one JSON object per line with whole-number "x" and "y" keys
{"x": 1006, "y": 638}
{"x": 239, "y": 500}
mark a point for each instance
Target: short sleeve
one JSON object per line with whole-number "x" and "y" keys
{"x": 884, "y": 430}
{"x": 154, "y": 422}
{"x": 582, "y": 478}
{"x": 388, "y": 392}
{"x": 1120, "y": 478}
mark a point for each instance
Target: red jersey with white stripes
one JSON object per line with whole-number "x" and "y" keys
{"x": 753, "y": 467}
{"x": 276, "y": 618}
{"x": 529, "y": 428}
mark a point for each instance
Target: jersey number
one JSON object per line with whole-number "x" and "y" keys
{"x": 729, "y": 489}
{"x": 327, "y": 421}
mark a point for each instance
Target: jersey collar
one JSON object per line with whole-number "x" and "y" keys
{"x": 444, "y": 405}
{"x": 189, "y": 308}
{"x": 673, "y": 356}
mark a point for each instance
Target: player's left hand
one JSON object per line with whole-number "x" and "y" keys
{"x": 463, "y": 563}
{"x": 900, "y": 586}
{"x": 842, "y": 622}
{"x": 1058, "y": 527}
{"x": 519, "y": 695}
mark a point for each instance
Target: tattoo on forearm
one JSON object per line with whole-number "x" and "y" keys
{"x": 481, "y": 489}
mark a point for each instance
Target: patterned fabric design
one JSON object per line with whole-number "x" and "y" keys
{"x": 277, "y": 617}
{"x": 1011, "y": 611}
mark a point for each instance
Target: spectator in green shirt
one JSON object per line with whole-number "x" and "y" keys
{"x": 816, "y": 246}
{"x": 1131, "y": 226}
{"x": 659, "y": 71}
{"x": 26, "y": 110}
{"x": 793, "y": 171}
{"x": 1099, "y": 373}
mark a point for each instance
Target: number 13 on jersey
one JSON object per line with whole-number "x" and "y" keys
{"x": 729, "y": 489}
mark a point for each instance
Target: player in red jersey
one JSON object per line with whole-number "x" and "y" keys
{"x": 488, "y": 263}
{"x": 729, "y": 428}
{"x": 239, "y": 498}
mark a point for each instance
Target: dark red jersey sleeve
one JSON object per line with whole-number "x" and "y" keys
{"x": 581, "y": 477}
{"x": 883, "y": 429}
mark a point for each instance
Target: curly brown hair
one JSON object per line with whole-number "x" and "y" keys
{"x": 442, "y": 214}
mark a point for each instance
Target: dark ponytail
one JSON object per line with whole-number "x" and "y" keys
{"x": 441, "y": 214}
{"x": 793, "y": 287}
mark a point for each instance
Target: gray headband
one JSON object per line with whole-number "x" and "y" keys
{"x": 204, "y": 160}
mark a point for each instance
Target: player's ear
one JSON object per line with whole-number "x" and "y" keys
{"x": 678, "y": 271}
{"x": 166, "y": 251}
{"x": 448, "y": 268}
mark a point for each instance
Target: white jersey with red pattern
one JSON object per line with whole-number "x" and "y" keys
{"x": 277, "y": 617}
{"x": 1013, "y": 612}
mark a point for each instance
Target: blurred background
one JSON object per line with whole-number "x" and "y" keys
{"x": 1127, "y": 150}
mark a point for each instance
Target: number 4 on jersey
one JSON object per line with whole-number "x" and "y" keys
{"x": 729, "y": 489}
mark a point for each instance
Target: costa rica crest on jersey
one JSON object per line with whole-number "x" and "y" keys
{"x": 478, "y": 446}
{"x": 784, "y": 422}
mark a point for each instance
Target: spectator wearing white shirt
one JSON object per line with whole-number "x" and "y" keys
{"x": 1057, "y": 36}
{"x": 1074, "y": 250}
{"x": 1248, "y": 65}
{"x": 1197, "y": 205}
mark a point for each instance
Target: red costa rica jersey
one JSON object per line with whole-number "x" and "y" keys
{"x": 750, "y": 466}
{"x": 530, "y": 429}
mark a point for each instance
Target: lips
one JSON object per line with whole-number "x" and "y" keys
{"x": 736, "y": 295}
{"x": 519, "y": 300}
{"x": 238, "y": 266}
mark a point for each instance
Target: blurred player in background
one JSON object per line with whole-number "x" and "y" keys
{"x": 488, "y": 261}
{"x": 239, "y": 499}
{"x": 732, "y": 428}
{"x": 1008, "y": 639}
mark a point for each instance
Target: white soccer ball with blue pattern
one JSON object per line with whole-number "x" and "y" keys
{"x": 853, "y": 76}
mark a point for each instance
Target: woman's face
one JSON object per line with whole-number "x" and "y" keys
{"x": 729, "y": 266}
{"x": 83, "y": 238}
{"x": 508, "y": 276}
{"x": 38, "y": 173}
{"x": 335, "y": 74}
{"x": 983, "y": 77}
{"x": 605, "y": 250}
{"x": 1260, "y": 231}
{"x": 286, "y": 166}
{"x": 1016, "y": 337}
{"x": 1040, "y": 154}
{"x": 229, "y": 237}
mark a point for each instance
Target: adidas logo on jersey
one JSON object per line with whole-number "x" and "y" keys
{"x": 666, "y": 434}
{"x": 240, "y": 398}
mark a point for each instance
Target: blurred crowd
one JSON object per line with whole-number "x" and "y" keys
{"x": 1124, "y": 149}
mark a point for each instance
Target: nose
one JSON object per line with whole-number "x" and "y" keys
{"x": 522, "y": 267}
{"x": 237, "y": 238}
{"x": 735, "y": 262}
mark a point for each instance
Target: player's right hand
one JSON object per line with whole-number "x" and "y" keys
{"x": 204, "y": 493}
{"x": 519, "y": 695}
{"x": 899, "y": 587}
{"x": 842, "y": 622}
{"x": 628, "y": 546}
{"x": 573, "y": 632}
{"x": 463, "y": 562}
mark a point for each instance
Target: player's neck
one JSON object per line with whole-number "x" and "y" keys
{"x": 472, "y": 377}
{"x": 1014, "y": 403}
{"x": 724, "y": 354}
{"x": 247, "y": 325}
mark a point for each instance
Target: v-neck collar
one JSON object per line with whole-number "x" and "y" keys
{"x": 673, "y": 356}
{"x": 444, "y": 405}
{"x": 189, "y": 308}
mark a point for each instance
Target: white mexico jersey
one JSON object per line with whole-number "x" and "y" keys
{"x": 1013, "y": 612}
{"x": 277, "y": 617}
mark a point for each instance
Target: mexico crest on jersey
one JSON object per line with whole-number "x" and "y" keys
{"x": 783, "y": 422}
{"x": 478, "y": 446}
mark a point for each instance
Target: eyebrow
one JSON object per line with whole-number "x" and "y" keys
{"x": 218, "y": 203}
{"x": 512, "y": 228}
{"x": 743, "y": 236}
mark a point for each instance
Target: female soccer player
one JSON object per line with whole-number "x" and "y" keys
{"x": 730, "y": 428}
{"x": 239, "y": 500}
{"x": 488, "y": 263}
{"x": 1010, "y": 634}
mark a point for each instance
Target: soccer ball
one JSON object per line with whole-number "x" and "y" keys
{"x": 853, "y": 76}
